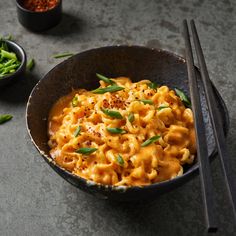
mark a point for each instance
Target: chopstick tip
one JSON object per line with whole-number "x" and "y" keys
{"x": 192, "y": 23}
{"x": 185, "y": 23}
{"x": 212, "y": 229}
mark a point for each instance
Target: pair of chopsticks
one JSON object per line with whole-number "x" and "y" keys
{"x": 204, "y": 165}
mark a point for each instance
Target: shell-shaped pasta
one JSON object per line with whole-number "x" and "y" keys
{"x": 130, "y": 144}
{"x": 138, "y": 172}
{"x": 162, "y": 142}
{"x": 179, "y": 173}
{"x": 177, "y": 135}
{"x": 163, "y": 90}
{"x": 133, "y": 129}
{"x": 188, "y": 116}
{"x": 166, "y": 116}
{"x": 185, "y": 155}
{"x": 136, "y": 107}
{"x": 67, "y": 160}
{"x": 149, "y": 115}
{"x": 152, "y": 175}
{"x": 104, "y": 174}
{"x": 112, "y": 142}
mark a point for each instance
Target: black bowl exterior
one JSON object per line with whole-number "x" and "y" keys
{"x": 79, "y": 72}
{"x": 20, "y": 53}
{"x": 39, "y": 21}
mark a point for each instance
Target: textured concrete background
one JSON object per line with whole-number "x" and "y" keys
{"x": 34, "y": 200}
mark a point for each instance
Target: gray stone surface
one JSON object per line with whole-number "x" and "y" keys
{"x": 34, "y": 200}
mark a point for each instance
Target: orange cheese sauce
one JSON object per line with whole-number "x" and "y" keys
{"x": 150, "y": 147}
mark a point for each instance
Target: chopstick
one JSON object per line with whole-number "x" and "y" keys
{"x": 216, "y": 123}
{"x": 204, "y": 165}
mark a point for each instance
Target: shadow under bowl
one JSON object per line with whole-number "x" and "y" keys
{"x": 39, "y": 21}
{"x": 135, "y": 62}
{"x": 20, "y": 53}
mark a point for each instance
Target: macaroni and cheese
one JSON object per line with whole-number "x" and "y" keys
{"x": 123, "y": 133}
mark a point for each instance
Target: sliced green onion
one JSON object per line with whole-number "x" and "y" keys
{"x": 4, "y": 46}
{"x": 120, "y": 160}
{"x": 10, "y": 62}
{"x": 151, "y": 140}
{"x": 8, "y": 68}
{"x": 113, "y": 114}
{"x": 77, "y": 131}
{"x": 66, "y": 54}
{"x": 75, "y": 101}
{"x": 146, "y": 101}
{"x": 162, "y": 107}
{"x": 112, "y": 88}
{"x": 153, "y": 85}
{"x": 30, "y": 64}
{"x": 9, "y": 37}
{"x": 183, "y": 97}
{"x": 131, "y": 117}
{"x": 116, "y": 130}
{"x": 8, "y": 55}
{"x": 105, "y": 79}
{"x": 4, "y": 118}
{"x": 86, "y": 151}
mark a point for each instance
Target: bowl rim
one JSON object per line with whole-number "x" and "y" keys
{"x": 37, "y": 12}
{"x": 176, "y": 179}
{"x": 23, "y": 61}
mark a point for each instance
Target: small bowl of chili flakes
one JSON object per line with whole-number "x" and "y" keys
{"x": 39, "y": 15}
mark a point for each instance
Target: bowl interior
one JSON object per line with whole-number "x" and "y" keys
{"x": 135, "y": 62}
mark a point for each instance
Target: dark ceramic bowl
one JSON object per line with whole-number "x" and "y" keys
{"x": 39, "y": 21}
{"x": 136, "y": 62}
{"x": 20, "y": 53}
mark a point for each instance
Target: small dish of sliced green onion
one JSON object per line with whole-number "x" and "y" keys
{"x": 9, "y": 62}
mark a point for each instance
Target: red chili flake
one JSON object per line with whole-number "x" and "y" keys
{"x": 105, "y": 103}
{"x": 39, "y": 5}
{"x": 88, "y": 143}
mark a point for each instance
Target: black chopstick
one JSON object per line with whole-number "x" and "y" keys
{"x": 204, "y": 165}
{"x": 216, "y": 123}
